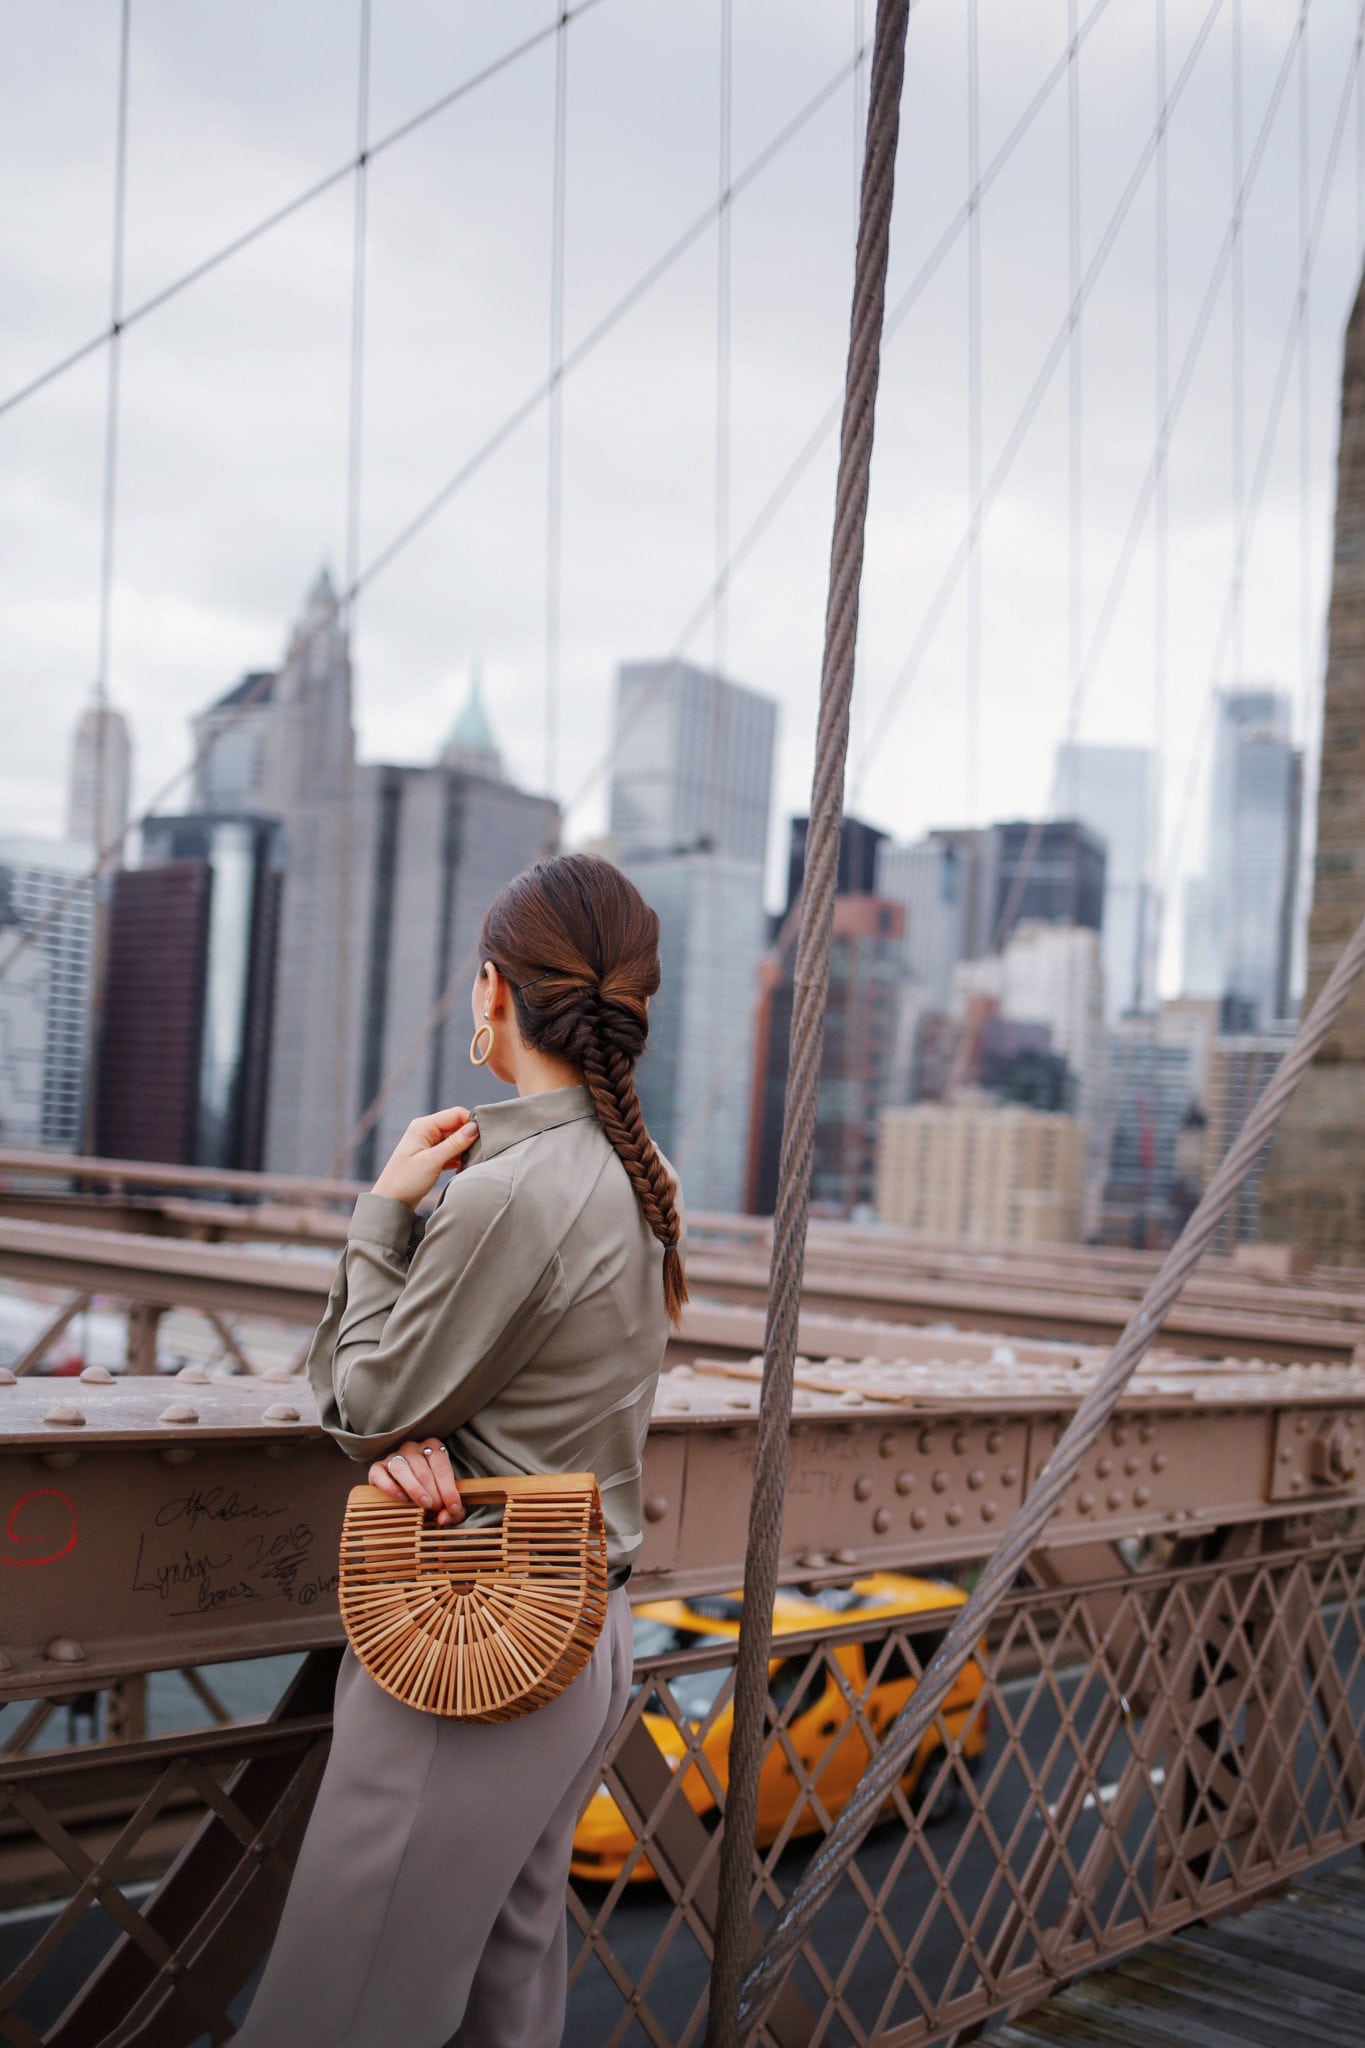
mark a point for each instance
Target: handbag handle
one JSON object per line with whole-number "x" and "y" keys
{"x": 512, "y": 1484}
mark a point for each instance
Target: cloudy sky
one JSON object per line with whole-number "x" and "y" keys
{"x": 234, "y": 396}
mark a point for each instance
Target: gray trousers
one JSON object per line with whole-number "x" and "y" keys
{"x": 427, "y": 1903}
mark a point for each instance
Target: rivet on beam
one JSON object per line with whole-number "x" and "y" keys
{"x": 65, "y": 1650}
{"x": 280, "y": 1411}
{"x": 180, "y": 1412}
{"x": 64, "y": 1416}
{"x": 7, "y": 1378}
{"x": 656, "y": 1507}
{"x": 193, "y": 1375}
{"x": 98, "y": 1376}
{"x": 178, "y": 1454}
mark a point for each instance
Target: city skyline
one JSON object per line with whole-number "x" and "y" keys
{"x": 220, "y": 521}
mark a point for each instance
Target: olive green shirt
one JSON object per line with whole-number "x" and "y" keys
{"x": 523, "y": 1320}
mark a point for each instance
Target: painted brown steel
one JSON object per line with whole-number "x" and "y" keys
{"x": 798, "y": 1914}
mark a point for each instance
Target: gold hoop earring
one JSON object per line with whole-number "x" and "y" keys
{"x": 478, "y": 1058}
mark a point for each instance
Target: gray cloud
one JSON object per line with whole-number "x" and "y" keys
{"x": 232, "y": 477}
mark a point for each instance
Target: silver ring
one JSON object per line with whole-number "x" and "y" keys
{"x": 398, "y": 1459}
{"x": 428, "y": 1451}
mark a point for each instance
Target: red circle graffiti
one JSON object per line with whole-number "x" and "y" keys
{"x": 13, "y": 1536}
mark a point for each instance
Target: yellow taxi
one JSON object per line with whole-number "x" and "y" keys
{"x": 821, "y": 1727}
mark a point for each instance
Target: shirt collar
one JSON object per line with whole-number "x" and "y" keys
{"x": 522, "y": 1116}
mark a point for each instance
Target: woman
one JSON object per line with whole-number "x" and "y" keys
{"x": 521, "y": 1331}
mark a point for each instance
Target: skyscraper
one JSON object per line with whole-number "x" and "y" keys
{"x": 432, "y": 847}
{"x": 1053, "y": 873}
{"x": 97, "y": 792}
{"x": 23, "y": 1027}
{"x": 1054, "y": 975}
{"x": 1110, "y": 790}
{"x": 860, "y": 845}
{"x": 695, "y": 1078}
{"x": 183, "y": 1058}
{"x": 692, "y": 762}
{"x": 231, "y": 740}
{"x": 1239, "y": 920}
{"x": 690, "y": 794}
{"x": 307, "y": 773}
{"x": 938, "y": 881}
{"x": 386, "y": 872}
{"x": 866, "y": 976}
{"x": 981, "y": 1170}
{"x": 48, "y": 881}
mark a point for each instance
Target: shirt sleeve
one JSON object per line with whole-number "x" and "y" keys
{"x": 417, "y": 1337}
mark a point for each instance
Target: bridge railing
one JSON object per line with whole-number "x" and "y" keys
{"x": 1131, "y": 1752}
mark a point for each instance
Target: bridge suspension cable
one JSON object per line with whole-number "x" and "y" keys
{"x": 280, "y": 214}
{"x": 899, "y": 1744}
{"x": 1123, "y": 564}
{"x": 467, "y": 470}
{"x": 807, "y": 1028}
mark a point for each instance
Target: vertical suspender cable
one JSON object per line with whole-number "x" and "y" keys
{"x": 723, "y": 222}
{"x": 1161, "y": 564}
{"x": 1307, "y": 637}
{"x": 554, "y": 482}
{"x": 107, "y": 834}
{"x": 901, "y": 1740}
{"x": 355, "y": 422}
{"x": 1238, "y": 345}
{"x": 718, "y": 1008}
{"x": 974, "y": 430}
{"x": 724, "y": 2026}
{"x": 1074, "y": 361}
{"x": 859, "y": 103}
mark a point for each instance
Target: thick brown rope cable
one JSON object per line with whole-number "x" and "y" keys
{"x": 807, "y": 1034}
{"x": 827, "y": 1866}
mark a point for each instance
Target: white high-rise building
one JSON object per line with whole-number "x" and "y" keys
{"x": 692, "y": 762}
{"x": 1239, "y": 917}
{"x": 938, "y": 880}
{"x": 1111, "y": 789}
{"x": 1051, "y": 974}
{"x": 101, "y": 768}
{"x": 24, "y": 994}
{"x": 49, "y": 881}
{"x": 690, "y": 799}
{"x": 231, "y": 742}
{"x": 696, "y": 1076}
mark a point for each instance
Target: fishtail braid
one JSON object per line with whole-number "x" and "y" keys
{"x": 580, "y": 947}
{"x": 610, "y": 1077}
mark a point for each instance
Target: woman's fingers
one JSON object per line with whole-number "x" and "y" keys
{"x": 441, "y": 1124}
{"x": 409, "y": 1473}
{"x": 429, "y": 1481}
{"x": 452, "y": 1149}
{"x": 380, "y": 1476}
{"x": 443, "y": 1477}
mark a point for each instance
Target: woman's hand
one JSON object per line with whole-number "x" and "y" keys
{"x": 427, "y": 1147}
{"x": 420, "y": 1471}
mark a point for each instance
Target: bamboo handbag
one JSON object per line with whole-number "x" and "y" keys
{"x": 483, "y": 1623}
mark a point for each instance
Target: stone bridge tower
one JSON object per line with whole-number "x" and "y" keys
{"x": 1313, "y": 1194}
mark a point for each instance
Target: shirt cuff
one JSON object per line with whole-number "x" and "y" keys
{"x": 382, "y": 1220}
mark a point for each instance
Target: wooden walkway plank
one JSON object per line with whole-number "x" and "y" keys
{"x": 1289, "y": 1974}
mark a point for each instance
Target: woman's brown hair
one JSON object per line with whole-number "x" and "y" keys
{"x": 580, "y": 948}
